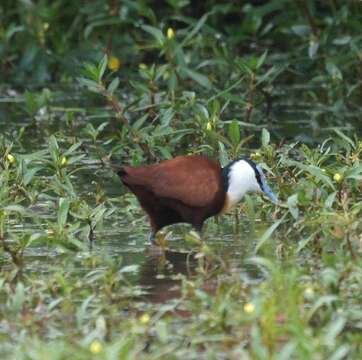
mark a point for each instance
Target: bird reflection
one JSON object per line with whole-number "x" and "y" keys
{"x": 159, "y": 273}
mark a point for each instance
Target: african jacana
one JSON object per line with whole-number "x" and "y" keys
{"x": 191, "y": 189}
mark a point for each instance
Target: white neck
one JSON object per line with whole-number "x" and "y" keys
{"x": 241, "y": 180}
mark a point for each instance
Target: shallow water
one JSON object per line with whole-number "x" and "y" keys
{"x": 123, "y": 240}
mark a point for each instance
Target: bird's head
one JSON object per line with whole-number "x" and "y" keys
{"x": 242, "y": 176}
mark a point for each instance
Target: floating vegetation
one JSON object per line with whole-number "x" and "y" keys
{"x": 85, "y": 91}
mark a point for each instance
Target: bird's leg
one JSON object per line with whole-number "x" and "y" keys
{"x": 152, "y": 237}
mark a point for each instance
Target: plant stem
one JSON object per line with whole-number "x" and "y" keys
{"x": 250, "y": 105}
{"x": 120, "y": 116}
{"x": 350, "y": 248}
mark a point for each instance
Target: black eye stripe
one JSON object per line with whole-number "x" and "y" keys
{"x": 226, "y": 170}
{"x": 256, "y": 171}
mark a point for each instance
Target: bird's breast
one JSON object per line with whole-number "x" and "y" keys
{"x": 228, "y": 205}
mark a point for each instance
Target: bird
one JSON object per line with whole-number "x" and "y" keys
{"x": 191, "y": 188}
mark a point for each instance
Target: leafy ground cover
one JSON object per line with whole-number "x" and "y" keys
{"x": 87, "y": 89}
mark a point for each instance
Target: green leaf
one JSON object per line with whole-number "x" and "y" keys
{"x": 330, "y": 199}
{"x": 269, "y": 75}
{"x": 301, "y": 30}
{"x": 38, "y": 155}
{"x": 113, "y": 85}
{"x": 98, "y": 213}
{"x": 325, "y": 300}
{"x": 90, "y": 71}
{"x": 195, "y": 30}
{"x": 354, "y": 173}
{"x": 53, "y": 148}
{"x": 265, "y": 137}
{"x": 63, "y": 209}
{"x": 172, "y": 82}
{"x": 165, "y": 152}
{"x": 72, "y": 148}
{"x": 156, "y": 33}
{"x": 334, "y": 71}
{"x": 129, "y": 269}
{"x": 223, "y": 155}
{"x": 341, "y": 352}
{"x": 18, "y": 298}
{"x": 304, "y": 242}
{"x": 102, "y": 67}
{"x": 139, "y": 122}
{"x": 15, "y": 208}
{"x": 345, "y": 137}
{"x": 90, "y": 84}
{"x": 334, "y": 328}
{"x": 234, "y": 132}
{"x": 29, "y": 174}
{"x": 292, "y": 205}
{"x": 196, "y": 76}
{"x": 261, "y": 59}
{"x": 193, "y": 238}
{"x": 102, "y": 126}
{"x": 343, "y": 40}
{"x": 75, "y": 159}
{"x": 202, "y": 112}
{"x": 313, "y": 49}
{"x": 264, "y": 264}
{"x": 313, "y": 170}
{"x": 167, "y": 116}
{"x": 268, "y": 233}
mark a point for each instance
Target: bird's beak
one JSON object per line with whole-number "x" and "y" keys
{"x": 270, "y": 194}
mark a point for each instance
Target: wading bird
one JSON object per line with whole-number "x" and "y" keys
{"x": 190, "y": 189}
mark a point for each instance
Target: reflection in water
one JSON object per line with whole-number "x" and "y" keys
{"x": 159, "y": 273}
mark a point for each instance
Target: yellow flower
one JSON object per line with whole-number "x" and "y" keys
{"x": 208, "y": 126}
{"x": 63, "y": 161}
{"x": 249, "y": 308}
{"x": 145, "y": 319}
{"x": 142, "y": 66}
{"x": 11, "y": 158}
{"x": 337, "y": 177}
{"x": 309, "y": 292}
{"x": 95, "y": 347}
{"x": 114, "y": 63}
{"x": 170, "y": 33}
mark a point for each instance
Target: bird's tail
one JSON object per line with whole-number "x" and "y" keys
{"x": 121, "y": 172}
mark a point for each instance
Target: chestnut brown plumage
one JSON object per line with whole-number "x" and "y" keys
{"x": 189, "y": 189}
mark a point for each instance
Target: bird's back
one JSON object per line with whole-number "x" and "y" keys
{"x": 194, "y": 180}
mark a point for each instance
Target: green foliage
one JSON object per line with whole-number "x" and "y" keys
{"x": 88, "y": 89}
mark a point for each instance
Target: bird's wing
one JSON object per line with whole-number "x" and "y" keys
{"x": 193, "y": 180}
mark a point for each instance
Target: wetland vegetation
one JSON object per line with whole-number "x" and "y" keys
{"x": 86, "y": 87}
